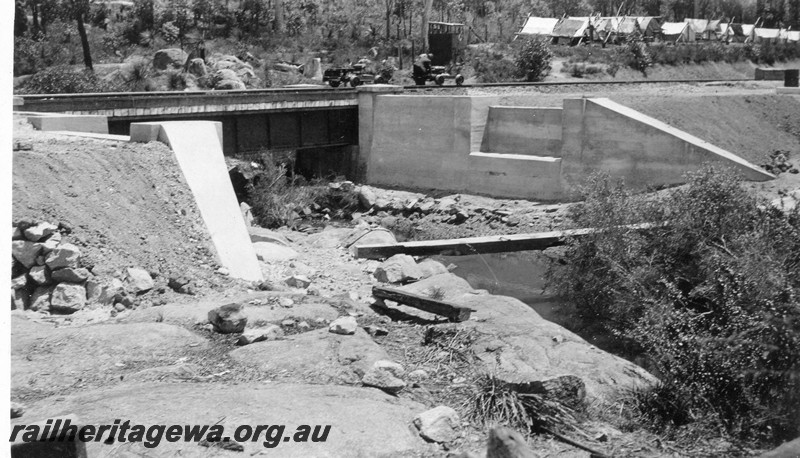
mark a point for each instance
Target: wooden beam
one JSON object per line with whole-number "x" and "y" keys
{"x": 482, "y": 245}
{"x": 470, "y": 245}
{"x": 453, "y": 312}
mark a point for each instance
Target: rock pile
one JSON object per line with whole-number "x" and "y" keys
{"x": 48, "y": 275}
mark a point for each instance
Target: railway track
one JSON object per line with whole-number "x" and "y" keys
{"x": 277, "y": 92}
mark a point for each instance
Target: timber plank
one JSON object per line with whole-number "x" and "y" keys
{"x": 453, "y": 312}
{"x": 471, "y": 245}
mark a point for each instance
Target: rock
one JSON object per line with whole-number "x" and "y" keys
{"x": 19, "y": 299}
{"x": 289, "y": 323}
{"x": 138, "y": 280}
{"x": 386, "y": 375}
{"x": 40, "y": 299}
{"x": 68, "y": 298}
{"x": 789, "y": 449}
{"x": 367, "y": 197}
{"x": 171, "y": 58}
{"x": 381, "y": 433}
{"x": 19, "y": 282}
{"x": 439, "y": 424}
{"x": 71, "y": 275}
{"x": 250, "y": 336}
{"x": 25, "y": 252}
{"x": 272, "y": 252}
{"x": 110, "y": 290}
{"x": 16, "y": 233}
{"x": 316, "y": 356}
{"x": 507, "y": 443}
{"x": 40, "y": 275}
{"x": 400, "y": 268}
{"x": 430, "y": 267}
{"x": 259, "y": 234}
{"x": 197, "y": 67}
{"x": 298, "y": 281}
{"x": 17, "y": 409}
{"x": 230, "y": 85}
{"x": 228, "y": 318}
{"x": 344, "y": 325}
{"x": 303, "y": 325}
{"x": 66, "y": 255}
{"x": 39, "y": 231}
{"x": 285, "y": 302}
{"x": 376, "y": 330}
{"x": 176, "y": 283}
{"x": 51, "y": 243}
{"x": 94, "y": 288}
{"x": 417, "y": 375}
{"x": 247, "y": 214}
{"x": 367, "y": 236}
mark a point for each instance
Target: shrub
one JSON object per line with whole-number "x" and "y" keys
{"x": 278, "y": 197}
{"x": 639, "y": 55}
{"x": 64, "y": 80}
{"x": 492, "y": 66}
{"x": 710, "y": 294}
{"x": 533, "y": 60}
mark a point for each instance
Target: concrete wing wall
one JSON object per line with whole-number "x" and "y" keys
{"x": 197, "y": 147}
{"x": 601, "y": 135}
{"x": 523, "y": 130}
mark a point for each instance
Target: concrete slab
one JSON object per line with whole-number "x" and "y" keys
{"x": 76, "y": 123}
{"x": 788, "y": 90}
{"x": 198, "y": 149}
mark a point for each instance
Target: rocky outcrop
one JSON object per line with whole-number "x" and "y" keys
{"x": 169, "y": 59}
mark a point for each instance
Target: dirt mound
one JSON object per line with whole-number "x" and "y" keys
{"x": 127, "y": 204}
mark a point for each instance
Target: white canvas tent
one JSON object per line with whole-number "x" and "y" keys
{"x": 766, "y": 35}
{"x": 793, "y": 35}
{"x": 699, "y": 27}
{"x": 538, "y": 26}
{"x": 571, "y": 30}
{"x": 677, "y": 32}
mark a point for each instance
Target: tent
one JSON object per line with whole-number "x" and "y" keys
{"x": 650, "y": 26}
{"x": 793, "y": 35}
{"x": 699, "y": 27}
{"x": 677, "y": 32}
{"x": 538, "y": 26}
{"x": 712, "y": 30}
{"x": 740, "y": 33}
{"x": 766, "y": 35}
{"x": 605, "y": 26}
{"x": 570, "y": 30}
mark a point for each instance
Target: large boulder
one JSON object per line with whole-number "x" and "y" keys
{"x": 26, "y": 252}
{"x": 400, "y": 268}
{"x": 197, "y": 67}
{"x": 66, "y": 255}
{"x": 138, "y": 280}
{"x": 39, "y": 231}
{"x": 344, "y": 325}
{"x": 40, "y": 299}
{"x": 71, "y": 275}
{"x": 228, "y": 318}
{"x": 440, "y": 424}
{"x": 430, "y": 267}
{"x": 40, "y": 275}
{"x": 507, "y": 443}
{"x": 386, "y": 375}
{"x": 168, "y": 59}
{"x": 68, "y": 298}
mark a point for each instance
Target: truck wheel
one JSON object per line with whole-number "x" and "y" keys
{"x": 379, "y": 80}
{"x": 355, "y": 81}
{"x": 334, "y": 83}
{"x": 439, "y": 80}
{"x": 459, "y": 79}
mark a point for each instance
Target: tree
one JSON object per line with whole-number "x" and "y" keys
{"x": 20, "y": 20}
{"x": 77, "y": 10}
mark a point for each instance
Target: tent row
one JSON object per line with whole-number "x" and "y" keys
{"x": 574, "y": 30}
